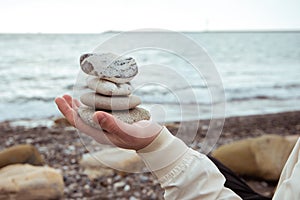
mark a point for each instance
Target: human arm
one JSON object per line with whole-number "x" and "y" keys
{"x": 182, "y": 172}
{"x": 288, "y": 185}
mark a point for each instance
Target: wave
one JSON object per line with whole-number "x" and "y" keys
{"x": 29, "y": 99}
{"x": 262, "y": 88}
{"x": 287, "y": 86}
{"x": 174, "y": 103}
{"x": 192, "y": 86}
{"x": 258, "y": 97}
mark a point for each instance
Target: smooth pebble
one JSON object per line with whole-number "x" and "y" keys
{"x": 109, "y": 66}
{"x": 98, "y": 101}
{"x": 109, "y": 88}
{"x": 128, "y": 116}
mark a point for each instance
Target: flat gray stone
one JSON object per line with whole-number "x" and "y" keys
{"x": 109, "y": 88}
{"x": 109, "y": 66}
{"x": 98, "y": 101}
{"x": 127, "y": 116}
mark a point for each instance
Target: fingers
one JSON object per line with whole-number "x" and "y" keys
{"x": 66, "y": 110}
{"x": 72, "y": 116}
{"x": 112, "y": 125}
{"x": 106, "y": 121}
{"x": 141, "y": 129}
{"x": 98, "y": 135}
{"x": 68, "y": 99}
{"x": 74, "y": 103}
{"x": 129, "y": 136}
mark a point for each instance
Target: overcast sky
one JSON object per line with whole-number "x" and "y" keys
{"x": 94, "y": 16}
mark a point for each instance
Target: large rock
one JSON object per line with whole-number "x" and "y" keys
{"x": 263, "y": 157}
{"x": 24, "y": 153}
{"x": 108, "y": 161}
{"x": 28, "y": 182}
{"x": 128, "y": 116}
{"x": 110, "y": 103}
{"x": 109, "y": 66}
{"x": 109, "y": 88}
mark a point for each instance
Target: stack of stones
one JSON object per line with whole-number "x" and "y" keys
{"x": 109, "y": 79}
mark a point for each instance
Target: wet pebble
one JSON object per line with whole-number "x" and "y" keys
{"x": 132, "y": 198}
{"x": 61, "y": 149}
{"x": 118, "y": 185}
{"x": 127, "y": 188}
{"x": 144, "y": 178}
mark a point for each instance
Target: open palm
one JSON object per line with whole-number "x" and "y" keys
{"x": 129, "y": 136}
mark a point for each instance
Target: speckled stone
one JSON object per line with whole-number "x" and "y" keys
{"x": 98, "y": 101}
{"x": 109, "y": 66}
{"x": 109, "y": 88}
{"x": 127, "y": 116}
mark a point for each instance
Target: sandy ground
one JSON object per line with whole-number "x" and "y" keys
{"x": 62, "y": 148}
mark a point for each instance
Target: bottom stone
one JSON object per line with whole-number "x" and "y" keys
{"x": 128, "y": 116}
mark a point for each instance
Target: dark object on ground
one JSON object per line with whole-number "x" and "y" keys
{"x": 236, "y": 184}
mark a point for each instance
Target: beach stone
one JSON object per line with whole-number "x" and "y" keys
{"x": 263, "y": 157}
{"x": 97, "y": 172}
{"x": 109, "y": 66}
{"x": 98, "y": 101}
{"x": 24, "y": 153}
{"x": 109, "y": 88}
{"x": 24, "y": 181}
{"x": 128, "y": 116}
{"x": 61, "y": 122}
{"x": 110, "y": 160}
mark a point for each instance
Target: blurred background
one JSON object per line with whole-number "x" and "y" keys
{"x": 255, "y": 46}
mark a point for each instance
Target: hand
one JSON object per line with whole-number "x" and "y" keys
{"x": 129, "y": 136}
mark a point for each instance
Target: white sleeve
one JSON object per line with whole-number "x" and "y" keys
{"x": 182, "y": 172}
{"x": 289, "y": 183}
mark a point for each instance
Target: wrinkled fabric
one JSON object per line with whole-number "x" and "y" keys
{"x": 187, "y": 174}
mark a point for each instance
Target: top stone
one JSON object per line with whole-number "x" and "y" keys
{"x": 109, "y": 66}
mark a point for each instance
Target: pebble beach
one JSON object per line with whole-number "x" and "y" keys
{"x": 28, "y": 94}
{"x": 62, "y": 149}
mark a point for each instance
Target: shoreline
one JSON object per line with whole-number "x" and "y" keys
{"x": 62, "y": 148}
{"x": 50, "y": 121}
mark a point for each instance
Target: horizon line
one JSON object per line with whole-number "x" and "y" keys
{"x": 182, "y": 31}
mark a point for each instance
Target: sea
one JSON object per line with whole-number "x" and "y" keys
{"x": 254, "y": 73}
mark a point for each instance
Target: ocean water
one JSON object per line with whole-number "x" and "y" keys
{"x": 259, "y": 70}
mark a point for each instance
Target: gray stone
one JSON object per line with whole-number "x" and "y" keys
{"x": 110, "y": 103}
{"x": 109, "y": 88}
{"x": 109, "y": 66}
{"x": 128, "y": 116}
{"x": 119, "y": 184}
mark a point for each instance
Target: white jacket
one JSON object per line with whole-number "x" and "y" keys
{"x": 187, "y": 174}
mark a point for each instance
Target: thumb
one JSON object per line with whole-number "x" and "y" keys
{"x": 110, "y": 123}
